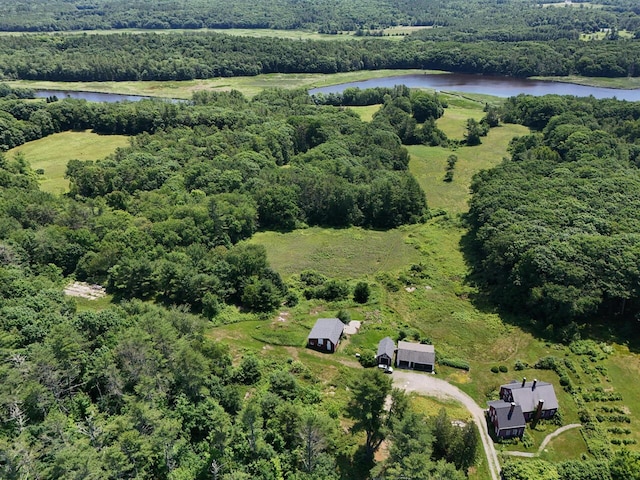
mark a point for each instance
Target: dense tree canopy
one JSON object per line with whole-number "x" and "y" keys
{"x": 162, "y": 218}
{"x": 185, "y": 56}
{"x": 556, "y": 227}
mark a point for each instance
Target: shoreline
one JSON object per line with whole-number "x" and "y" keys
{"x": 183, "y": 90}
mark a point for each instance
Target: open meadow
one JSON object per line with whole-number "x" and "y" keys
{"x": 51, "y": 154}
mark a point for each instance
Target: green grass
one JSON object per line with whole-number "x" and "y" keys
{"x": 345, "y": 253}
{"x": 366, "y": 113}
{"x": 83, "y": 304}
{"x": 453, "y": 122}
{"x": 428, "y": 164}
{"x": 567, "y": 446}
{"x": 52, "y": 154}
{"x": 626, "y": 83}
{"x": 441, "y": 307}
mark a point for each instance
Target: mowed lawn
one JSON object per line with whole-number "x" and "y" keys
{"x": 52, "y": 154}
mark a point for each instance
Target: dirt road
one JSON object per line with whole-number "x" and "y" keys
{"x": 428, "y": 385}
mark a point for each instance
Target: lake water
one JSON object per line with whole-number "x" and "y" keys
{"x": 496, "y": 86}
{"x": 89, "y": 96}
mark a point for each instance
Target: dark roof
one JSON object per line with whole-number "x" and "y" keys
{"x": 330, "y": 328}
{"x": 386, "y": 346}
{"x": 416, "y": 353}
{"x": 508, "y": 418}
{"x": 528, "y": 396}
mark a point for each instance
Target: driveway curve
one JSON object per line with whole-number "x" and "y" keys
{"x": 428, "y": 385}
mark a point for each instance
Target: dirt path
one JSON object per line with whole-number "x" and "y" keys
{"x": 430, "y": 386}
{"x": 545, "y": 442}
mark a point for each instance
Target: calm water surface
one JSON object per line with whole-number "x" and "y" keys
{"x": 497, "y": 86}
{"x": 89, "y": 96}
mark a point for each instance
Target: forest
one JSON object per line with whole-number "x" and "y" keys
{"x": 507, "y": 17}
{"x": 130, "y": 57}
{"x": 555, "y": 228}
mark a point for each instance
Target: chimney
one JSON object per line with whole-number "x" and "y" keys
{"x": 513, "y": 405}
{"x": 533, "y": 387}
{"x": 539, "y": 409}
{"x": 524, "y": 380}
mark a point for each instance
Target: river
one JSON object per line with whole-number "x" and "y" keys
{"x": 456, "y": 82}
{"x": 89, "y": 96}
{"x": 496, "y": 86}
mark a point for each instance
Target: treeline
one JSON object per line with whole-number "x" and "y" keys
{"x": 319, "y": 15}
{"x": 124, "y": 57}
{"x": 148, "y": 220}
{"x": 556, "y": 227}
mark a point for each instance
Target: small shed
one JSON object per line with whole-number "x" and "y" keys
{"x": 386, "y": 349}
{"x": 325, "y": 335}
{"x": 416, "y": 356}
{"x": 507, "y": 419}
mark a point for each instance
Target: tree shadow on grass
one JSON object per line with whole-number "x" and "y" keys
{"x": 355, "y": 467}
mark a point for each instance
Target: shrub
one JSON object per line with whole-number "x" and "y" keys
{"x": 547, "y": 363}
{"x": 520, "y": 365}
{"x": 344, "y": 316}
{"x": 312, "y": 278}
{"x": 495, "y": 369}
{"x": 361, "y": 292}
{"x": 291, "y": 299}
{"x": 503, "y": 368}
{"x": 455, "y": 363}
{"x": 333, "y": 290}
{"x": 367, "y": 359}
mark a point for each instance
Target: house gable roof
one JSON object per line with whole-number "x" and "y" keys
{"x": 330, "y": 328}
{"x": 528, "y": 396}
{"x": 386, "y": 346}
{"x": 508, "y": 418}
{"x": 416, "y": 353}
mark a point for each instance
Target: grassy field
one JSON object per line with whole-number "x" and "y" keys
{"x": 52, "y": 153}
{"x": 247, "y": 85}
{"x": 428, "y": 164}
{"x": 626, "y": 83}
{"x": 350, "y": 252}
{"x": 366, "y": 113}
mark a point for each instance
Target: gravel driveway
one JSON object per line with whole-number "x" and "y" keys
{"x": 426, "y": 384}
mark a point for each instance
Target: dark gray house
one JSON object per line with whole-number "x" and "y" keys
{"x": 507, "y": 419}
{"x": 386, "y": 349}
{"x": 325, "y": 335}
{"x": 537, "y": 399}
{"x": 416, "y": 356}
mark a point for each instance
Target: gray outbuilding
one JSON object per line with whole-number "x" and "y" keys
{"x": 416, "y": 356}
{"x": 325, "y": 335}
